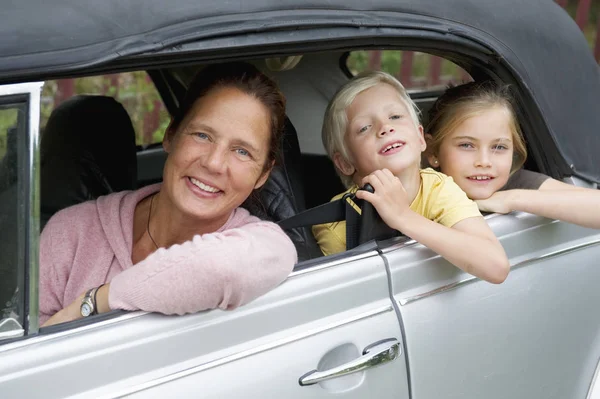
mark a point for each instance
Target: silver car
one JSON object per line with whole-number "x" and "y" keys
{"x": 387, "y": 319}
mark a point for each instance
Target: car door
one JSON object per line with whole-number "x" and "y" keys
{"x": 322, "y": 317}
{"x": 537, "y": 335}
{"x": 330, "y": 330}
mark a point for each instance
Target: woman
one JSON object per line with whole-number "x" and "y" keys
{"x": 184, "y": 245}
{"x": 474, "y": 137}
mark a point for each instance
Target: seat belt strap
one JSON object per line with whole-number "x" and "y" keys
{"x": 327, "y": 213}
{"x": 353, "y": 221}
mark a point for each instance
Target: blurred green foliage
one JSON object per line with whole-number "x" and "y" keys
{"x": 8, "y": 119}
{"x": 391, "y": 61}
{"x": 134, "y": 90}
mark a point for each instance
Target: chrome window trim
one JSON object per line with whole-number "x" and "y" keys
{"x": 22, "y": 88}
{"x": 594, "y": 389}
{"x": 245, "y": 353}
{"x": 413, "y": 298}
{"x": 331, "y": 263}
{"x": 34, "y": 206}
{"x": 43, "y": 338}
{"x": 33, "y": 90}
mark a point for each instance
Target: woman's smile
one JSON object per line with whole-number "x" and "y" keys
{"x": 203, "y": 189}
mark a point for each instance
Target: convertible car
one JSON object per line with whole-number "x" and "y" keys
{"x": 386, "y": 319}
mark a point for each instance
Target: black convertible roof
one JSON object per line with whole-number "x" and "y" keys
{"x": 546, "y": 51}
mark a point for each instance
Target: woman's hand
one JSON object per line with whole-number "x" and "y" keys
{"x": 73, "y": 311}
{"x": 389, "y": 199}
{"x": 70, "y": 313}
{"x": 499, "y": 202}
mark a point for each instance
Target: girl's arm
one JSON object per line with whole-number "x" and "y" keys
{"x": 554, "y": 200}
{"x": 469, "y": 245}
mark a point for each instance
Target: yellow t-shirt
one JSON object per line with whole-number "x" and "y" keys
{"x": 438, "y": 199}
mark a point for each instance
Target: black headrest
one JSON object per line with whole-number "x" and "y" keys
{"x": 87, "y": 150}
{"x": 282, "y": 196}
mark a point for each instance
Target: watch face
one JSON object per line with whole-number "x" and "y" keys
{"x": 86, "y": 309}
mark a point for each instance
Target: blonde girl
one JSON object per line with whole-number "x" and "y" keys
{"x": 473, "y": 135}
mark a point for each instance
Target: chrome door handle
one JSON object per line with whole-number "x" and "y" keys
{"x": 374, "y": 355}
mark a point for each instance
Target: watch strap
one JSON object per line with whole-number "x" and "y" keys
{"x": 93, "y": 299}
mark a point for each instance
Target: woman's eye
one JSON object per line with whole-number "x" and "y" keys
{"x": 202, "y": 136}
{"x": 394, "y": 117}
{"x": 466, "y": 145}
{"x": 500, "y": 147}
{"x": 242, "y": 152}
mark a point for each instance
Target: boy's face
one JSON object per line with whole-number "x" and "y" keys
{"x": 381, "y": 134}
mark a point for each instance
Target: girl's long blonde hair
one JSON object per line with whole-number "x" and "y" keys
{"x": 462, "y": 102}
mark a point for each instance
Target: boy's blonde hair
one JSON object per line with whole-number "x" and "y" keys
{"x": 335, "y": 122}
{"x": 462, "y": 102}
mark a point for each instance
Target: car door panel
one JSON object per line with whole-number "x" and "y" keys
{"x": 258, "y": 349}
{"x": 535, "y": 335}
{"x": 254, "y": 374}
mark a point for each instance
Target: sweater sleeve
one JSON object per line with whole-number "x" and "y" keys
{"x": 225, "y": 270}
{"x": 52, "y": 283}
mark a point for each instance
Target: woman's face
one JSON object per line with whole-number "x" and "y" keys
{"x": 217, "y": 155}
{"x": 478, "y": 154}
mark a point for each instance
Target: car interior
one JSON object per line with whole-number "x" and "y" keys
{"x": 78, "y": 166}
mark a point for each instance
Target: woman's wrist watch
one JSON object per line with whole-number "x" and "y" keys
{"x": 88, "y": 304}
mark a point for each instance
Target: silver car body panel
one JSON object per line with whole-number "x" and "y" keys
{"x": 312, "y": 321}
{"x": 537, "y": 335}
{"x": 594, "y": 392}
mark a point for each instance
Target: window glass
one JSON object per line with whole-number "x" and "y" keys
{"x": 13, "y": 150}
{"x": 417, "y": 71}
{"x": 135, "y": 90}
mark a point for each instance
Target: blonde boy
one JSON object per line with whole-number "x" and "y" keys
{"x": 372, "y": 133}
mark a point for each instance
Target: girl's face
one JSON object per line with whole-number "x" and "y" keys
{"x": 478, "y": 154}
{"x": 217, "y": 155}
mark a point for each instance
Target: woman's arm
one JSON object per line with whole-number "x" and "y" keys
{"x": 52, "y": 282}
{"x": 469, "y": 245}
{"x": 224, "y": 270}
{"x": 554, "y": 200}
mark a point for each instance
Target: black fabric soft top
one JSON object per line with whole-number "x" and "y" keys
{"x": 541, "y": 43}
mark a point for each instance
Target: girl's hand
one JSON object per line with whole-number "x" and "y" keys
{"x": 390, "y": 199}
{"x": 499, "y": 202}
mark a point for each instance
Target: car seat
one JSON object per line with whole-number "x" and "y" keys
{"x": 282, "y": 196}
{"x": 87, "y": 150}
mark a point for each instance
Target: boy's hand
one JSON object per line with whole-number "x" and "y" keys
{"x": 390, "y": 199}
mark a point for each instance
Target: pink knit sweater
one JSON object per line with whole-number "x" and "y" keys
{"x": 91, "y": 243}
